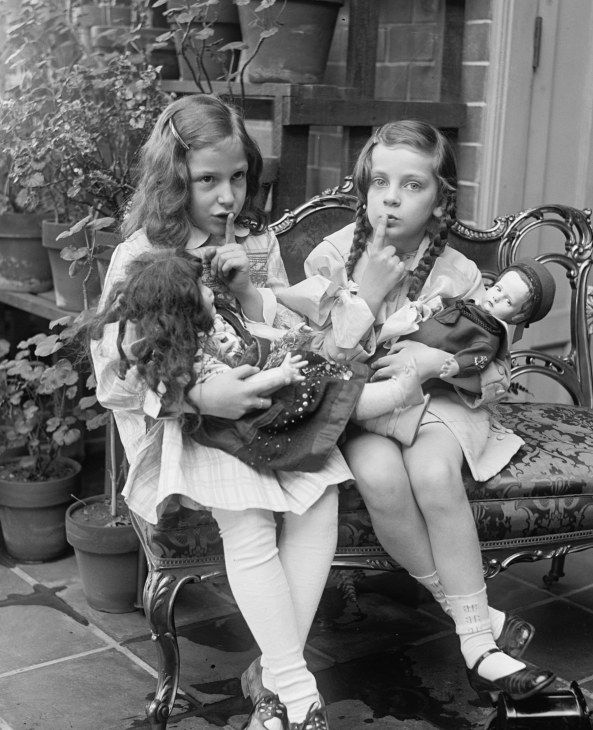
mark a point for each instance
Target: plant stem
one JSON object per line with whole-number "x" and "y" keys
{"x": 112, "y": 458}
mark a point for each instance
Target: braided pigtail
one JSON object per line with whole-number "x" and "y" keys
{"x": 362, "y": 230}
{"x": 435, "y": 248}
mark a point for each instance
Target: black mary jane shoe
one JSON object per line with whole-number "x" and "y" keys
{"x": 266, "y": 708}
{"x": 515, "y": 636}
{"x": 519, "y": 685}
{"x": 316, "y": 720}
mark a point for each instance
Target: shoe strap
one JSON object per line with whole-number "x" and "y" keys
{"x": 484, "y": 655}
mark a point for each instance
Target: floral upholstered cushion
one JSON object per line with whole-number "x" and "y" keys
{"x": 546, "y": 489}
{"x": 181, "y": 537}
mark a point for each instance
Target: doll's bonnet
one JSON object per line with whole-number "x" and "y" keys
{"x": 542, "y": 284}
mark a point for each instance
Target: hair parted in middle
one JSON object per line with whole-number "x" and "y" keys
{"x": 162, "y": 300}
{"x": 160, "y": 204}
{"x": 425, "y": 138}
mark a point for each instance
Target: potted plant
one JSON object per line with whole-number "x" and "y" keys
{"x": 104, "y": 541}
{"x": 41, "y": 408}
{"x": 291, "y": 39}
{"x": 99, "y": 528}
{"x": 24, "y": 264}
{"x": 207, "y": 36}
{"x": 80, "y": 128}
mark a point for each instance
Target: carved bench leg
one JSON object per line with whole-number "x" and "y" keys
{"x": 556, "y": 570}
{"x": 159, "y": 594}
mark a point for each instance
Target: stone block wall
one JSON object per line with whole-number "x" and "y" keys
{"x": 417, "y": 44}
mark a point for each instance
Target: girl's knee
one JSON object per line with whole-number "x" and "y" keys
{"x": 438, "y": 487}
{"x": 378, "y": 469}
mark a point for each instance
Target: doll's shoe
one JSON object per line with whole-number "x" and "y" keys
{"x": 515, "y": 636}
{"x": 316, "y": 720}
{"x": 270, "y": 710}
{"x": 251, "y": 681}
{"x": 518, "y": 685}
{"x": 402, "y": 424}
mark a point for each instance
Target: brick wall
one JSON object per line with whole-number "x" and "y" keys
{"x": 412, "y": 61}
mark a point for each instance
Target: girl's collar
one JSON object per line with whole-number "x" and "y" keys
{"x": 200, "y": 238}
{"x": 411, "y": 258}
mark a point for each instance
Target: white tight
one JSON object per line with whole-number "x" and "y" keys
{"x": 278, "y": 585}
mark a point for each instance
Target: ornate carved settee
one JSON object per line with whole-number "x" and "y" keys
{"x": 539, "y": 506}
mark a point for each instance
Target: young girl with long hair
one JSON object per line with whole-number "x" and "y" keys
{"x": 197, "y": 192}
{"x": 396, "y": 251}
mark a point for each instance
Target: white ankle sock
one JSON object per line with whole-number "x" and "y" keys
{"x": 497, "y": 619}
{"x": 433, "y": 584}
{"x": 472, "y": 623}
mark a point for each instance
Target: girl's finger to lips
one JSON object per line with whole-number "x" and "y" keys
{"x": 379, "y": 237}
{"x": 229, "y": 235}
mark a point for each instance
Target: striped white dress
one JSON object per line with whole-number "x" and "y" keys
{"x": 163, "y": 462}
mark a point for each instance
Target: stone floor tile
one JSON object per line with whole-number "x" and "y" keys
{"x": 355, "y": 715}
{"x": 32, "y": 634}
{"x": 10, "y": 583}
{"x": 384, "y": 624}
{"x": 563, "y": 639}
{"x": 87, "y": 693}
{"x": 583, "y": 598}
{"x": 578, "y": 572}
{"x": 508, "y": 592}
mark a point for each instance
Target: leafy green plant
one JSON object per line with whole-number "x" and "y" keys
{"x": 71, "y": 130}
{"x": 193, "y": 27}
{"x": 42, "y": 406}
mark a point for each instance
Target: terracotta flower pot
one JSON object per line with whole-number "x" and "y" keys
{"x": 32, "y": 514}
{"x": 24, "y": 264}
{"x": 68, "y": 289}
{"x": 106, "y": 555}
{"x": 226, "y": 29}
{"x": 298, "y": 52}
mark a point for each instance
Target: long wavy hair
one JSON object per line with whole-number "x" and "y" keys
{"x": 161, "y": 297}
{"x": 161, "y": 202}
{"x": 429, "y": 140}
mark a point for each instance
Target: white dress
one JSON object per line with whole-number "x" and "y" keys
{"x": 487, "y": 445}
{"x": 164, "y": 462}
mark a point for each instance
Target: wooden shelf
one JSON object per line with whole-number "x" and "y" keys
{"x": 42, "y": 305}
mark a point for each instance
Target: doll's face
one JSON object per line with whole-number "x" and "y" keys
{"x": 506, "y": 296}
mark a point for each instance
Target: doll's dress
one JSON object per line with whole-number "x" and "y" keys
{"x": 306, "y": 419}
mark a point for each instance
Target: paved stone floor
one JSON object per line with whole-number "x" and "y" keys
{"x": 394, "y": 665}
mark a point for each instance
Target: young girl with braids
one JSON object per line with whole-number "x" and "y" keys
{"x": 396, "y": 251}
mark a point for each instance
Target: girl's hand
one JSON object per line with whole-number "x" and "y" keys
{"x": 383, "y": 271}
{"x": 428, "y": 360}
{"x": 230, "y": 394}
{"x": 230, "y": 262}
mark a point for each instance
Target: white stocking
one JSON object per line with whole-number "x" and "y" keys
{"x": 259, "y": 584}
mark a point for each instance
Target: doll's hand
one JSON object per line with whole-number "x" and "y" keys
{"x": 270, "y": 380}
{"x": 291, "y": 368}
{"x": 384, "y": 269}
{"x": 231, "y": 394}
{"x": 450, "y": 368}
{"x": 428, "y": 360}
